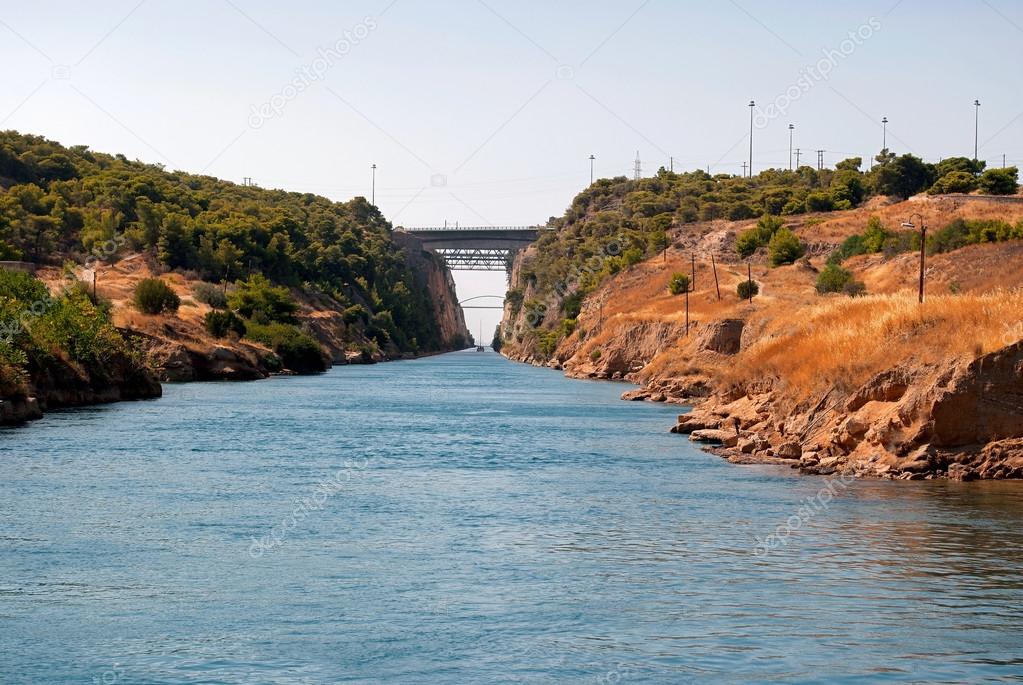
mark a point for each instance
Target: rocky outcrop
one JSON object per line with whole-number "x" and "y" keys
{"x": 963, "y": 421}
{"x": 54, "y": 381}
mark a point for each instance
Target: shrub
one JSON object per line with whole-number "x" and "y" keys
{"x": 678, "y": 284}
{"x": 819, "y": 202}
{"x": 784, "y": 248}
{"x": 833, "y": 279}
{"x": 219, "y": 324}
{"x": 854, "y": 288}
{"x": 355, "y": 313}
{"x": 758, "y": 236}
{"x": 262, "y": 302}
{"x": 297, "y": 350}
{"x": 747, "y": 290}
{"x": 154, "y": 296}
{"x": 207, "y": 293}
{"x": 954, "y": 182}
{"x": 1000, "y": 181}
{"x": 595, "y": 355}
{"x": 747, "y": 243}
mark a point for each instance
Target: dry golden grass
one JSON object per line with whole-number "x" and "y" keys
{"x": 843, "y": 341}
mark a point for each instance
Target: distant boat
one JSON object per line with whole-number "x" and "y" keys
{"x": 481, "y": 348}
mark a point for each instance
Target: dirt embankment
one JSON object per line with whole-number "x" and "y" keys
{"x": 876, "y": 385}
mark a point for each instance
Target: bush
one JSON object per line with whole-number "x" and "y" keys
{"x": 595, "y": 355}
{"x": 220, "y": 324}
{"x": 854, "y": 288}
{"x": 297, "y": 350}
{"x": 207, "y": 293}
{"x": 758, "y": 236}
{"x": 262, "y": 302}
{"x": 747, "y": 290}
{"x": 154, "y": 296}
{"x": 819, "y": 202}
{"x": 1000, "y": 181}
{"x": 833, "y": 279}
{"x": 678, "y": 284}
{"x": 784, "y": 248}
{"x": 954, "y": 182}
{"x": 355, "y": 313}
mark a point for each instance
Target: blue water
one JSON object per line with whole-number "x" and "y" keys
{"x": 471, "y": 520}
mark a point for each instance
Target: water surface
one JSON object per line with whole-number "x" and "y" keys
{"x": 464, "y": 519}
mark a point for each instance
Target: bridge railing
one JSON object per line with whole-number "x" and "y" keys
{"x": 424, "y": 229}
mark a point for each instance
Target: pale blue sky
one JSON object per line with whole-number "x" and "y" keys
{"x": 486, "y": 113}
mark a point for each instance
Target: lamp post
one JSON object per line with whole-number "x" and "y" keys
{"x": 373, "y": 191}
{"x": 923, "y": 247}
{"x": 976, "y": 129}
{"x": 884, "y": 133}
{"x": 591, "y": 168}
{"x": 791, "y": 129}
{"x": 751, "y": 106}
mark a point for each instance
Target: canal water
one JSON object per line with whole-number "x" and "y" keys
{"x": 465, "y": 519}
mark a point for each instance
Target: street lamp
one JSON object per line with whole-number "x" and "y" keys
{"x": 976, "y": 128}
{"x": 923, "y": 247}
{"x": 791, "y": 129}
{"x": 591, "y": 168}
{"x": 751, "y": 106}
{"x": 884, "y": 133}
{"x": 373, "y": 191}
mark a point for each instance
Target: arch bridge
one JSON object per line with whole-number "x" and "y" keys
{"x": 476, "y": 248}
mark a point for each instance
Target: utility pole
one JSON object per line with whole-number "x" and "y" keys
{"x": 1003, "y": 160}
{"x": 923, "y": 247}
{"x": 671, "y": 164}
{"x": 714, "y": 266}
{"x": 692, "y": 281}
{"x": 798, "y": 155}
{"x": 976, "y": 128}
{"x": 373, "y": 191}
{"x": 751, "y": 106}
{"x": 884, "y": 133}
{"x": 791, "y": 129}
{"x": 749, "y": 279}
{"x": 820, "y": 159}
{"x": 744, "y": 169}
{"x": 591, "y": 168}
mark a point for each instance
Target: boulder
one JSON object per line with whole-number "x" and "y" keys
{"x": 789, "y": 450}
{"x": 722, "y": 437}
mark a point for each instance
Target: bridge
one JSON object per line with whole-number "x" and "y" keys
{"x": 476, "y": 248}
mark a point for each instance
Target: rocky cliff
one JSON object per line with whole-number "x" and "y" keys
{"x": 876, "y": 385}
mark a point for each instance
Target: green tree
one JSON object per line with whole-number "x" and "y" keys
{"x": 154, "y": 296}
{"x": 784, "y": 248}
{"x": 678, "y": 284}
{"x": 902, "y": 176}
{"x": 1000, "y": 181}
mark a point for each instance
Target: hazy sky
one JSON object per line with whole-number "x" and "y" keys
{"x": 486, "y": 112}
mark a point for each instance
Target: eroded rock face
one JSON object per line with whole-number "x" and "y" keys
{"x": 983, "y": 401}
{"x": 723, "y": 336}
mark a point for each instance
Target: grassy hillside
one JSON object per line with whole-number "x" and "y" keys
{"x": 618, "y": 223}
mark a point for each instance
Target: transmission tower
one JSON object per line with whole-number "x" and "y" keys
{"x": 637, "y": 172}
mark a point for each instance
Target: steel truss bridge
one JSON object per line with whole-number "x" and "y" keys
{"x": 476, "y": 248}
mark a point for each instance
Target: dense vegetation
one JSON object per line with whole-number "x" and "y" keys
{"x": 40, "y": 331}
{"x": 618, "y": 222}
{"x": 58, "y": 202}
